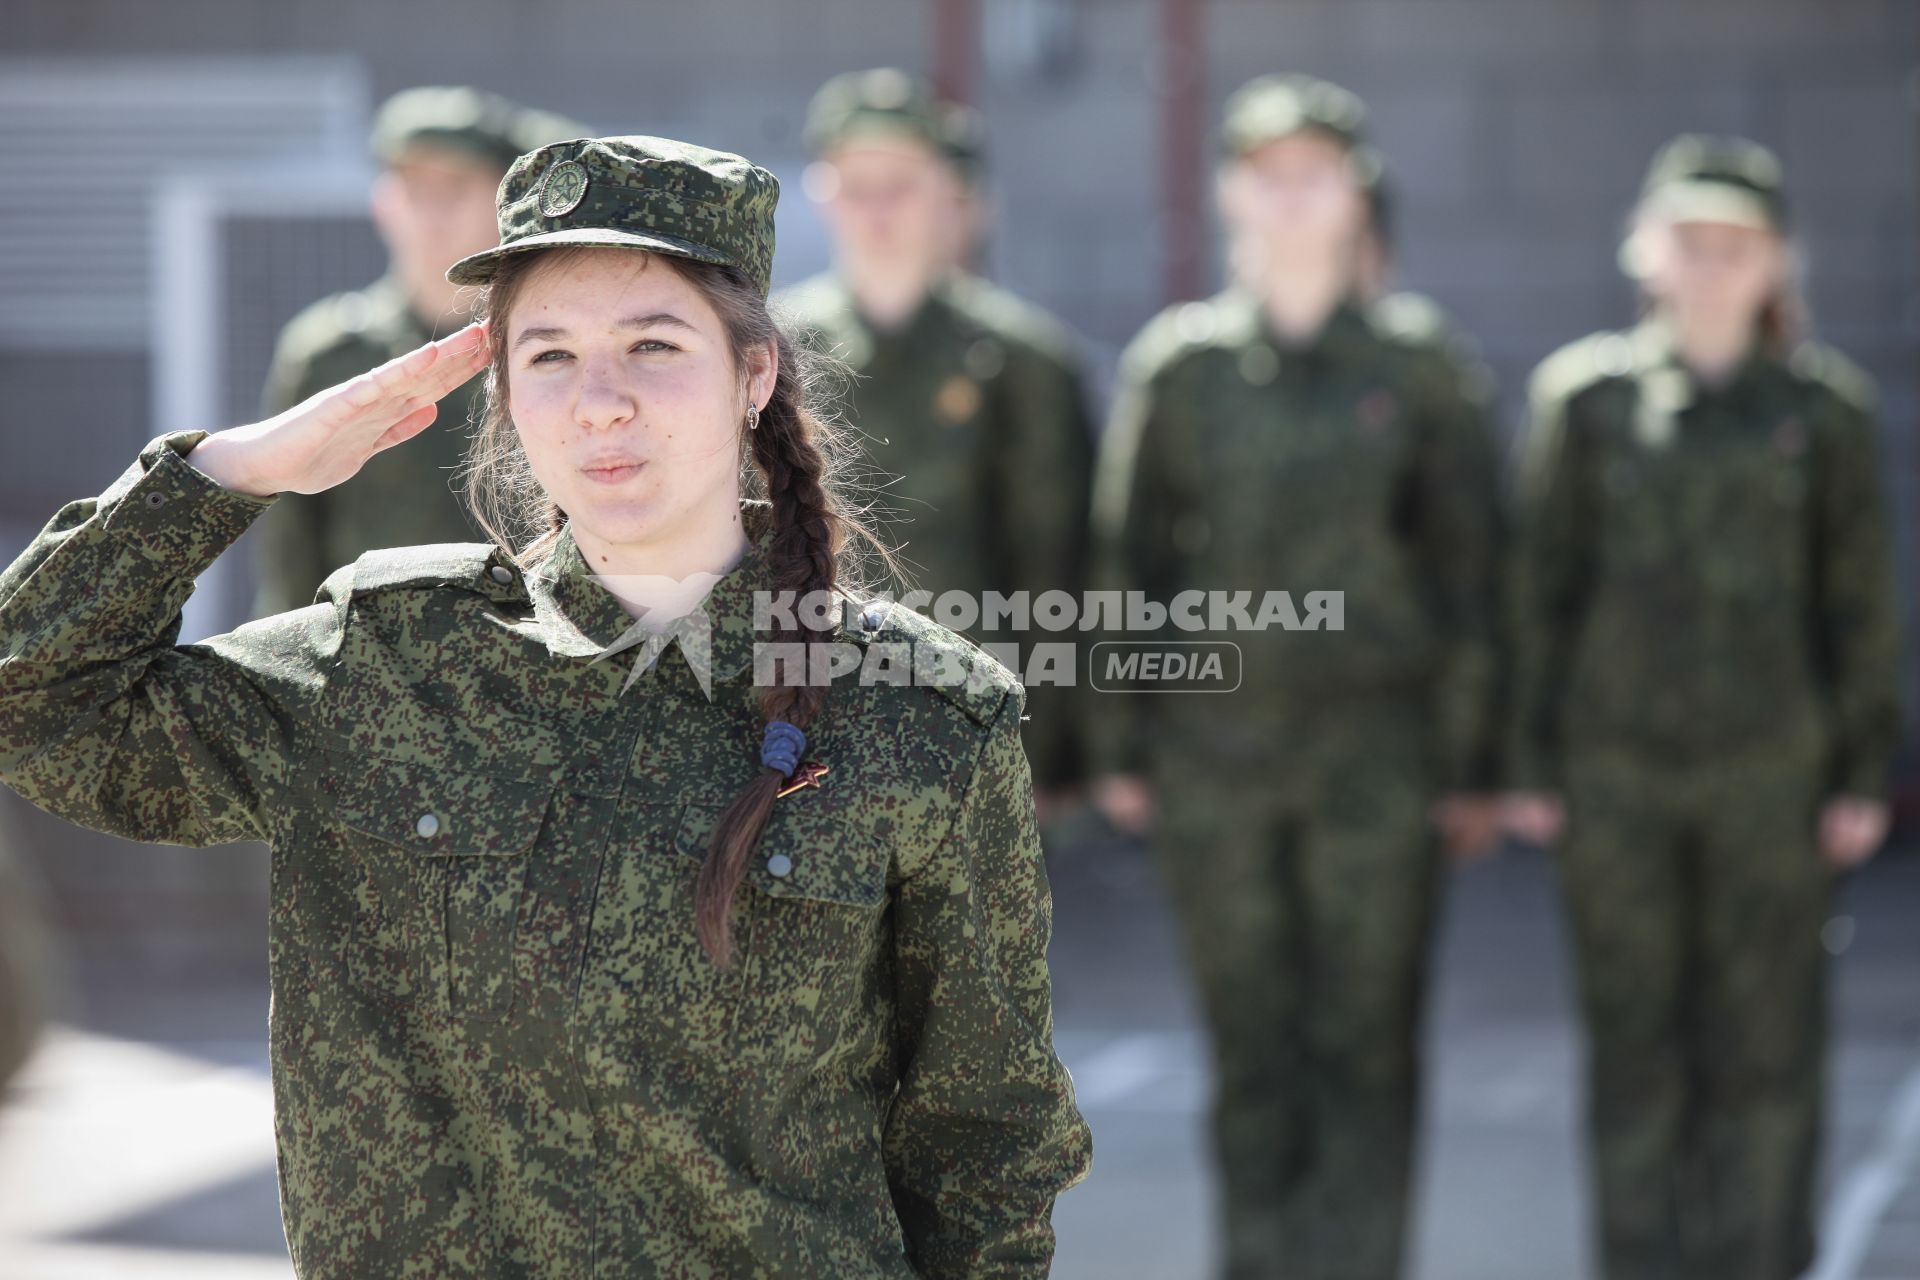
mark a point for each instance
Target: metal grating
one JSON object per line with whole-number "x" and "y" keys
{"x": 88, "y": 140}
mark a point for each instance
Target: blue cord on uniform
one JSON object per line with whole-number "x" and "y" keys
{"x": 782, "y": 746}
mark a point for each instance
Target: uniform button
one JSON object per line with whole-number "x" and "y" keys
{"x": 156, "y": 499}
{"x": 501, "y": 574}
{"x": 779, "y": 864}
{"x": 427, "y": 826}
{"x": 870, "y": 619}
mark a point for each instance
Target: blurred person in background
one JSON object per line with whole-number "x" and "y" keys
{"x": 969, "y": 401}
{"x": 1708, "y": 701}
{"x": 1290, "y": 435}
{"x": 442, "y": 152}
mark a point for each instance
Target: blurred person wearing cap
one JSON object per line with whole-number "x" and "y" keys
{"x": 1708, "y": 701}
{"x": 442, "y": 151}
{"x": 1288, "y": 435}
{"x": 969, "y": 401}
{"x": 604, "y": 938}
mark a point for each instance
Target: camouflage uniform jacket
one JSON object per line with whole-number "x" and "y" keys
{"x": 1363, "y": 464}
{"x": 976, "y": 416}
{"x": 497, "y": 1047}
{"x": 1699, "y": 569}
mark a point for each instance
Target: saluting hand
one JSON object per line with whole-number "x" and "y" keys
{"x": 328, "y": 437}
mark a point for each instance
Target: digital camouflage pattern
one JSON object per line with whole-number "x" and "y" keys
{"x": 1705, "y": 544}
{"x": 498, "y": 1049}
{"x": 974, "y": 415}
{"x": 401, "y": 497}
{"x": 636, "y": 192}
{"x": 1707, "y": 639}
{"x": 1363, "y": 464}
{"x": 1293, "y": 833}
{"x": 460, "y": 118}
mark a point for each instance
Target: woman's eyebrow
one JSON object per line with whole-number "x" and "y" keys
{"x": 666, "y": 318}
{"x": 547, "y": 333}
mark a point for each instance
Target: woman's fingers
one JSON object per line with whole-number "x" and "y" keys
{"x": 408, "y": 427}
{"x": 380, "y": 398}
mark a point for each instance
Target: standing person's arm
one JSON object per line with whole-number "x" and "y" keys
{"x": 1459, "y": 543}
{"x": 1046, "y": 473}
{"x": 984, "y": 1133}
{"x": 1142, "y": 499}
{"x": 1857, "y": 621}
{"x": 104, "y": 720}
{"x": 1550, "y": 575}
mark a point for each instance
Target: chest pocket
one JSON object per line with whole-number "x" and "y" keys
{"x": 807, "y": 928}
{"x": 454, "y": 845}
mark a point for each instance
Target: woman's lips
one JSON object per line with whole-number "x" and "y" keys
{"x": 613, "y": 474}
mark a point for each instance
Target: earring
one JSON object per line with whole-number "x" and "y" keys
{"x": 753, "y": 417}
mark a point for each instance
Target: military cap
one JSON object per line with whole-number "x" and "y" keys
{"x": 1273, "y": 106}
{"x": 1709, "y": 178}
{"x": 888, "y": 100}
{"x": 470, "y": 120}
{"x": 635, "y": 192}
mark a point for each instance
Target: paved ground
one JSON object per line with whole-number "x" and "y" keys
{"x": 139, "y": 1144}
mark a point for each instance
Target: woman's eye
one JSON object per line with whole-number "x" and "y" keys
{"x": 653, "y": 344}
{"x": 547, "y": 357}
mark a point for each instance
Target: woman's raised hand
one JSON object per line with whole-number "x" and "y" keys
{"x": 328, "y": 437}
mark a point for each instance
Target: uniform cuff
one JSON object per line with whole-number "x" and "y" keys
{"x": 173, "y": 510}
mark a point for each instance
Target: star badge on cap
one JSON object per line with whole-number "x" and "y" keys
{"x": 564, "y": 187}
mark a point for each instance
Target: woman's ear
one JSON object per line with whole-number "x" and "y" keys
{"x": 763, "y": 370}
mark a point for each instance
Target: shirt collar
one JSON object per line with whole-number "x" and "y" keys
{"x": 1656, "y": 352}
{"x": 581, "y": 618}
{"x": 1245, "y": 321}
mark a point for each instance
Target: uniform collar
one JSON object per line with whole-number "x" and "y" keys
{"x": 939, "y": 303}
{"x": 580, "y": 618}
{"x": 1656, "y": 353}
{"x": 1245, "y": 322}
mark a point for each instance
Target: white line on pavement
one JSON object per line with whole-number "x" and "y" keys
{"x": 1870, "y": 1188}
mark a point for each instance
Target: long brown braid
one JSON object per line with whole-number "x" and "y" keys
{"x": 794, "y": 457}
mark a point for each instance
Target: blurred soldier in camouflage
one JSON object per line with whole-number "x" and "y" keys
{"x": 1708, "y": 699}
{"x": 970, "y": 396}
{"x": 442, "y": 151}
{"x": 1290, "y": 434}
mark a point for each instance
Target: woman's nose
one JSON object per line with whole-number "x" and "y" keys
{"x": 605, "y": 398}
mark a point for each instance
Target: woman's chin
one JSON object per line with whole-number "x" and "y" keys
{"x": 613, "y": 521}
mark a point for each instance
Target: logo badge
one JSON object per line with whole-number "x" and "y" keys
{"x": 564, "y": 187}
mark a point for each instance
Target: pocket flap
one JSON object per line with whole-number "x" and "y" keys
{"x": 811, "y": 854}
{"x": 435, "y": 811}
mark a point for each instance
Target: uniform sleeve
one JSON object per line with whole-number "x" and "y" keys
{"x": 1460, "y": 541}
{"x": 1046, "y": 473}
{"x": 1142, "y": 496}
{"x": 104, "y": 720}
{"x": 1858, "y": 607}
{"x": 983, "y": 1133}
{"x": 1549, "y": 573}
{"x": 289, "y": 560}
